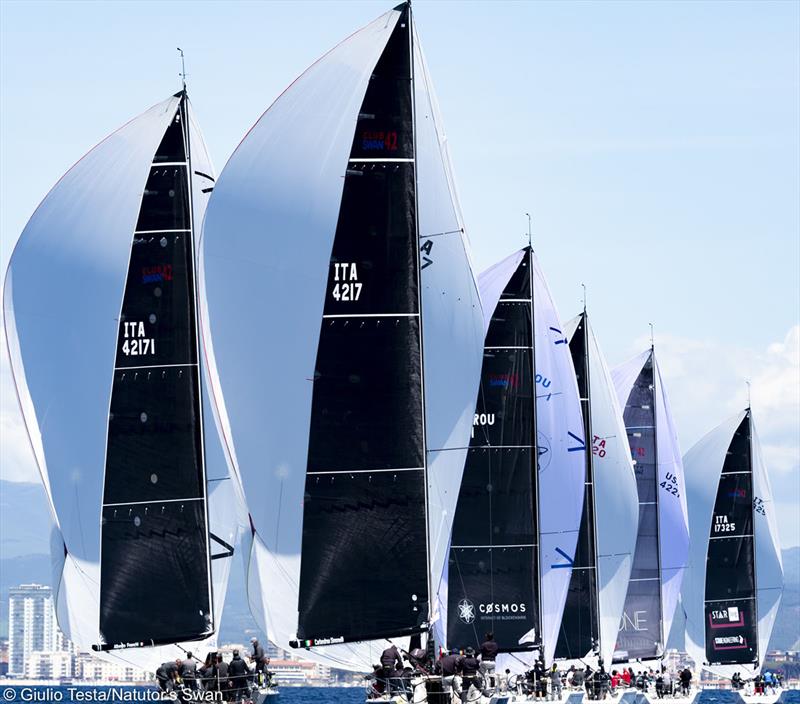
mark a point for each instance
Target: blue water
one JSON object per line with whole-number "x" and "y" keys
{"x": 106, "y": 695}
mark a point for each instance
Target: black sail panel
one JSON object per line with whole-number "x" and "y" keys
{"x": 579, "y": 625}
{"x": 730, "y": 600}
{"x": 640, "y": 630}
{"x": 364, "y": 547}
{"x": 154, "y": 576}
{"x": 493, "y": 570}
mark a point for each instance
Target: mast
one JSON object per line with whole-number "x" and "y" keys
{"x": 431, "y": 589}
{"x": 535, "y": 451}
{"x": 656, "y": 381}
{"x": 192, "y": 273}
{"x": 595, "y": 619}
{"x": 749, "y": 416}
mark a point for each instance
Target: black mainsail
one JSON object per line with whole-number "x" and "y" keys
{"x": 580, "y": 628}
{"x": 493, "y": 567}
{"x": 640, "y": 635}
{"x": 155, "y": 582}
{"x": 730, "y": 606}
{"x": 365, "y": 495}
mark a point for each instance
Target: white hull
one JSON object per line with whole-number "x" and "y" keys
{"x": 629, "y": 696}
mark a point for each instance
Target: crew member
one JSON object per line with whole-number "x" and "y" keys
{"x": 686, "y": 681}
{"x": 392, "y": 663}
{"x": 166, "y": 675}
{"x": 555, "y": 683}
{"x": 468, "y": 666}
{"x": 188, "y": 672}
{"x": 221, "y": 680}
{"x": 238, "y": 672}
{"x": 449, "y": 664}
{"x": 260, "y": 661}
{"x": 489, "y": 651}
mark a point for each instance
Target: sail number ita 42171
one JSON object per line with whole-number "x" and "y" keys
{"x": 136, "y": 342}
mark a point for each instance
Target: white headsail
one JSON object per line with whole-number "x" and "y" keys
{"x": 270, "y": 232}
{"x": 615, "y": 499}
{"x": 730, "y": 608}
{"x": 663, "y": 537}
{"x": 63, "y": 294}
{"x": 562, "y": 448}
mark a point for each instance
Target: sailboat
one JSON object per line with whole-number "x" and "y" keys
{"x": 662, "y": 539}
{"x": 101, "y": 325}
{"x": 610, "y": 518}
{"x": 345, "y": 330}
{"x": 734, "y": 583}
{"x": 519, "y": 506}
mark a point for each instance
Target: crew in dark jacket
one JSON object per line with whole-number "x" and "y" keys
{"x": 447, "y": 667}
{"x": 188, "y": 672}
{"x": 489, "y": 650}
{"x": 221, "y": 680}
{"x": 238, "y": 672}
{"x": 468, "y": 666}
{"x": 166, "y": 675}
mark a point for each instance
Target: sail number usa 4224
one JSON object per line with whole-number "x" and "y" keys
{"x": 346, "y": 287}
{"x": 135, "y": 341}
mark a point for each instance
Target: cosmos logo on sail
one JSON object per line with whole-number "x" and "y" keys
{"x": 505, "y": 611}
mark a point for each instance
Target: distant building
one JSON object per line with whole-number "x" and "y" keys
{"x": 49, "y": 666}
{"x": 32, "y": 626}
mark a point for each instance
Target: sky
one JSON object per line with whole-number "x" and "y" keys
{"x": 655, "y": 144}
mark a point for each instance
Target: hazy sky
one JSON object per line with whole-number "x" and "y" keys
{"x": 657, "y": 146}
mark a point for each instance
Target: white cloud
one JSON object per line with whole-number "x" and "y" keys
{"x": 706, "y": 383}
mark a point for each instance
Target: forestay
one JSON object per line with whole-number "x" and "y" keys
{"x": 81, "y": 252}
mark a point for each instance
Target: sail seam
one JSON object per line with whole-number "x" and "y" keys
{"x": 154, "y": 501}
{"x": 153, "y": 232}
{"x": 520, "y": 545}
{"x": 371, "y": 315}
{"x": 368, "y": 471}
{"x": 157, "y": 366}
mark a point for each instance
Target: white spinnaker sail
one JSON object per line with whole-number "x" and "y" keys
{"x": 62, "y": 299}
{"x": 703, "y": 465}
{"x": 769, "y": 562}
{"x": 562, "y": 459}
{"x": 266, "y": 250}
{"x": 672, "y": 513}
{"x": 451, "y": 310}
{"x": 615, "y": 496}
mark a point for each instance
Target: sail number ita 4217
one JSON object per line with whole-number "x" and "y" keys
{"x": 346, "y": 285}
{"x": 136, "y": 342}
